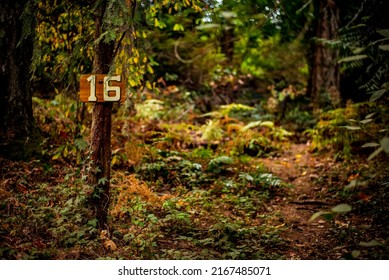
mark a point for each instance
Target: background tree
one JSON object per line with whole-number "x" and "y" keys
{"x": 18, "y": 132}
{"x": 324, "y": 79}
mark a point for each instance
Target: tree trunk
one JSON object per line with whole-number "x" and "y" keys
{"x": 99, "y": 175}
{"x": 18, "y": 132}
{"x": 324, "y": 79}
{"x": 227, "y": 43}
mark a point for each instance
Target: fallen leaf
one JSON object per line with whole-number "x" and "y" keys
{"x": 341, "y": 208}
{"x": 110, "y": 245}
{"x": 370, "y": 243}
{"x": 355, "y": 253}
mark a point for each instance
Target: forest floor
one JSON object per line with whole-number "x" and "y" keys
{"x": 314, "y": 178}
{"x": 305, "y": 240}
{"x": 250, "y": 194}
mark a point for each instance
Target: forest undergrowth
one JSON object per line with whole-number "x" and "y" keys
{"x": 237, "y": 182}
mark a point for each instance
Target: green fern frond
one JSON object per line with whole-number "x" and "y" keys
{"x": 225, "y": 110}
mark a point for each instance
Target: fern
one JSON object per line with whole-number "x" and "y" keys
{"x": 364, "y": 39}
{"x": 226, "y": 110}
{"x": 212, "y": 131}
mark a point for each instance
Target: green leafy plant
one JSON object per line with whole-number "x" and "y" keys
{"x": 173, "y": 170}
{"x": 220, "y": 164}
{"x": 373, "y": 131}
{"x": 275, "y": 133}
{"x": 329, "y": 215}
{"x": 340, "y": 130}
{"x": 150, "y": 109}
{"x": 212, "y": 131}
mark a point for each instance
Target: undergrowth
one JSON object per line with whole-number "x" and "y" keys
{"x": 179, "y": 190}
{"x": 183, "y": 186}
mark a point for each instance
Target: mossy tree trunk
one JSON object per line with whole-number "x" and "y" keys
{"x": 18, "y": 132}
{"x": 99, "y": 176}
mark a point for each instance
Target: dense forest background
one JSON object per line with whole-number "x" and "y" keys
{"x": 252, "y": 129}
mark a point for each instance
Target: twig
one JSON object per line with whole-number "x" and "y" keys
{"x": 311, "y": 202}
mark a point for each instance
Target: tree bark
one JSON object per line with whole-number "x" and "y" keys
{"x": 99, "y": 176}
{"x": 227, "y": 43}
{"x": 323, "y": 86}
{"x": 18, "y": 132}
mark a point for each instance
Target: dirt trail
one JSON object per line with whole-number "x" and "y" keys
{"x": 305, "y": 240}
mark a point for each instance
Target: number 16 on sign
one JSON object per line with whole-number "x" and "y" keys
{"x": 101, "y": 88}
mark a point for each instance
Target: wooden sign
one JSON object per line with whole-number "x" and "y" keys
{"x": 102, "y": 88}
